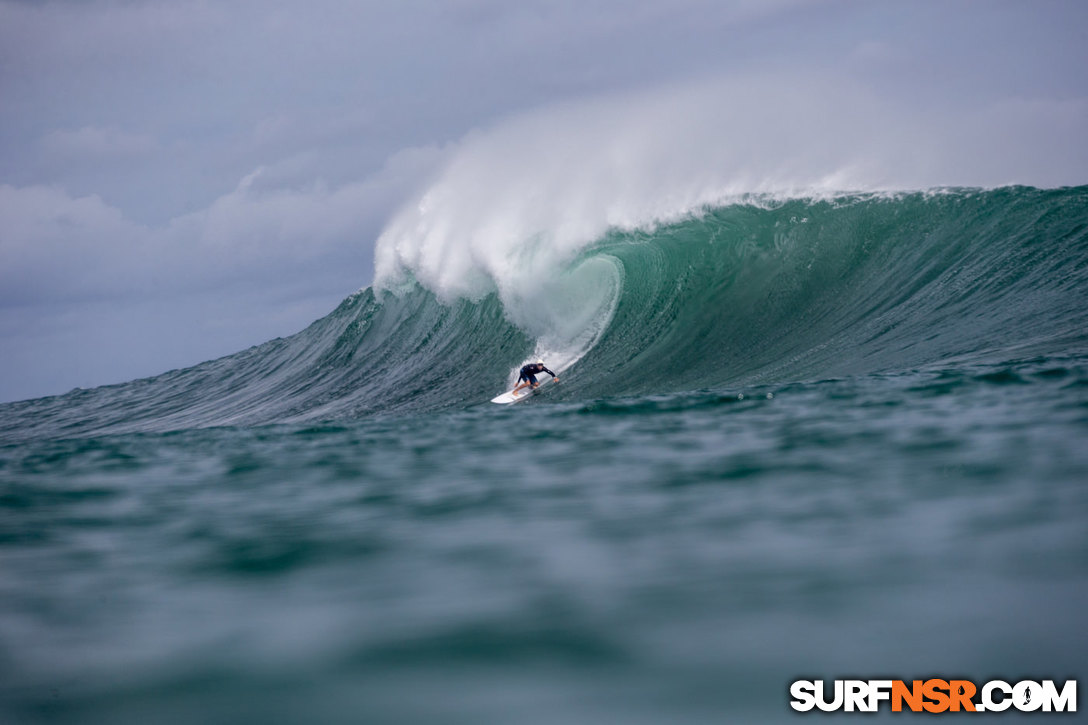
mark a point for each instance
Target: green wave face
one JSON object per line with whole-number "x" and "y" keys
{"x": 759, "y": 291}
{"x": 854, "y": 285}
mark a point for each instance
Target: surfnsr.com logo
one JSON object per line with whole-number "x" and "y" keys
{"x": 934, "y": 696}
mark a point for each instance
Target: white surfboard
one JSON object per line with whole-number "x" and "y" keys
{"x": 523, "y": 394}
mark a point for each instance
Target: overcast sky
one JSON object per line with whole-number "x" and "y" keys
{"x": 181, "y": 179}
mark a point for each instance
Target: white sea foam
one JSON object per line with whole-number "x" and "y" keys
{"x": 515, "y": 204}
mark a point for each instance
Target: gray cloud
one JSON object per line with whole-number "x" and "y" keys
{"x": 107, "y": 144}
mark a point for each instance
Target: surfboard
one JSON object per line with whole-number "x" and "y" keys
{"x": 525, "y": 393}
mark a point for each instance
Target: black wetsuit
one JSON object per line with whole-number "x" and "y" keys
{"x": 530, "y": 371}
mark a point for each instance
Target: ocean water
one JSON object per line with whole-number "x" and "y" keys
{"x": 794, "y": 438}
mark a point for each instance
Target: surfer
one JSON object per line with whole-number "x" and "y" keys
{"x": 529, "y": 373}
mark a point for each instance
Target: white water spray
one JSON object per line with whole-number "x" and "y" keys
{"x": 515, "y": 206}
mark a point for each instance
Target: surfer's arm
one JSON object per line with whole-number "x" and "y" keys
{"x": 549, "y": 372}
